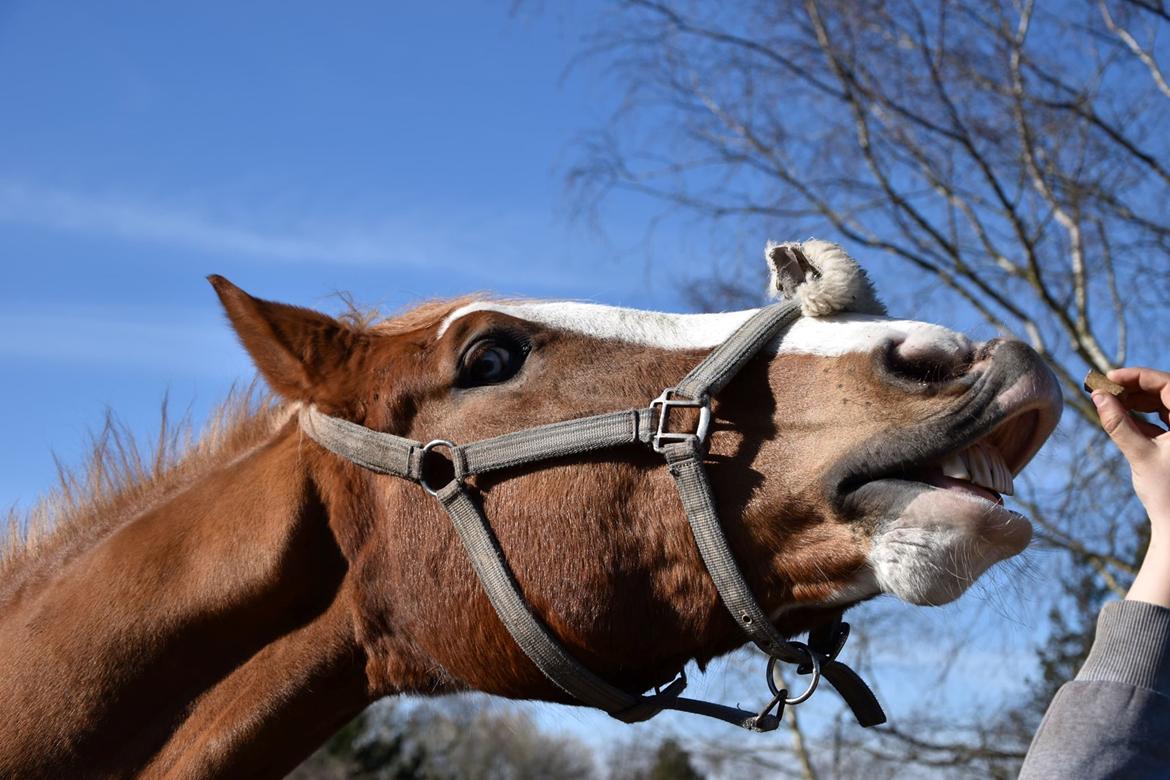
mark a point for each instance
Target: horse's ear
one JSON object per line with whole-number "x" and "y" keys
{"x": 296, "y": 350}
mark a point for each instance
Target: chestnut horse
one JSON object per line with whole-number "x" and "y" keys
{"x": 224, "y": 617}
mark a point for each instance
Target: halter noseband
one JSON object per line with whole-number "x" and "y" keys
{"x": 385, "y": 453}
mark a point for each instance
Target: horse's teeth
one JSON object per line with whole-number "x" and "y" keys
{"x": 980, "y": 472}
{"x": 1006, "y": 484}
{"x": 982, "y": 465}
{"x": 1001, "y": 474}
{"x": 955, "y": 467}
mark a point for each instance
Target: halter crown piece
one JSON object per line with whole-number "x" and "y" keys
{"x": 815, "y": 279}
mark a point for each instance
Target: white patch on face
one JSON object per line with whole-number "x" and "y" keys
{"x": 827, "y": 336}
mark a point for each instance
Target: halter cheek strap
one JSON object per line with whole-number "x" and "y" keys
{"x": 385, "y": 453}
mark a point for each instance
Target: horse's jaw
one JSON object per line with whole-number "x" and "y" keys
{"x": 934, "y": 529}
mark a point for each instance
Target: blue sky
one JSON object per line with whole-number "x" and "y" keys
{"x": 398, "y": 153}
{"x": 299, "y": 150}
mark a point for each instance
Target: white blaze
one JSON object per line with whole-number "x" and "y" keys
{"x": 828, "y": 336}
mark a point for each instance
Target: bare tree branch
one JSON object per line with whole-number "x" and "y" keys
{"x": 1142, "y": 54}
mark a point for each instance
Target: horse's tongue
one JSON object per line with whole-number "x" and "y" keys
{"x": 950, "y": 483}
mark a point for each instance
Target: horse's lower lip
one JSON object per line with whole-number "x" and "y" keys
{"x": 963, "y": 486}
{"x": 887, "y": 498}
{"x": 979, "y": 510}
{"x": 919, "y": 520}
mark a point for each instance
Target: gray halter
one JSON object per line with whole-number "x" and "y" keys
{"x": 385, "y": 453}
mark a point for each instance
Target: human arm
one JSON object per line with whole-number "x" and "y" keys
{"x": 1113, "y": 720}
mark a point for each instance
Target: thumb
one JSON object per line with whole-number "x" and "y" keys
{"x": 1120, "y": 426}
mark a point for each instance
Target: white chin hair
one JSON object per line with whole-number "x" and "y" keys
{"x": 918, "y": 567}
{"x": 941, "y": 544}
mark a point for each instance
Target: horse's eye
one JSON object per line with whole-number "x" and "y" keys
{"x": 491, "y": 361}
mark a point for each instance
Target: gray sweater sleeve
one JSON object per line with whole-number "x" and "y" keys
{"x": 1113, "y": 720}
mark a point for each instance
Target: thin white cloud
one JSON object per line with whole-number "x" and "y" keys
{"x": 177, "y": 342}
{"x": 505, "y": 250}
{"x": 156, "y": 223}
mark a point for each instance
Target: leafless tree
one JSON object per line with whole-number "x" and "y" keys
{"x": 450, "y": 738}
{"x": 1007, "y": 158}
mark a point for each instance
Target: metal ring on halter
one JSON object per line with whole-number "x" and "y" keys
{"x": 814, "y": 659}
{"x": 422, "y": 477}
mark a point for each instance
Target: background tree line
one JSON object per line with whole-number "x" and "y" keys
{"x": 469, "y": 737}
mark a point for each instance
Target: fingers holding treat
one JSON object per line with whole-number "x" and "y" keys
{"x": 1146, "y": 390}
{"x": 1120, "y": 398}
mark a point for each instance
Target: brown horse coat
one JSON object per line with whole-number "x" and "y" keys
{"x": 224, "y": 617}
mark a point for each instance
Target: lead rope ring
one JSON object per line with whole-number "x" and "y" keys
{"x": 780, "y": 698}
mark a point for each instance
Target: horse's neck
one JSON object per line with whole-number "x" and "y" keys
{"x": 211, "y": 634}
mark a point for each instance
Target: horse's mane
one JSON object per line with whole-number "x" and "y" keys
{"x": 120, "y": 478}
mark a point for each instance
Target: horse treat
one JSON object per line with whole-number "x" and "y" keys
{"x": 1095, "y": 380}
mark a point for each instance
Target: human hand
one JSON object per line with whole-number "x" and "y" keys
{"x": 1146, "y": 446}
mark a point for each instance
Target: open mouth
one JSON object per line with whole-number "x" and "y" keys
{"x": 981, "y": 462}
{"x": 930, "y": 496}
{"x": 1004, "y": 410}
{"x": 987, "y": 467}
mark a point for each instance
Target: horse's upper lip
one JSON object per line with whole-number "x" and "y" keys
{"x": 1012, "y": 405}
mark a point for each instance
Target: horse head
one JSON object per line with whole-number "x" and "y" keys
{"x": 856, "y": 455}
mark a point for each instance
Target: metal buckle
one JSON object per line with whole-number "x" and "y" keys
{"x": 668, "y": 401}
{"x": 422, "y": 476}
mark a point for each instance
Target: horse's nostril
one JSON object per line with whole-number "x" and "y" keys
{"x": 929, "y": 360}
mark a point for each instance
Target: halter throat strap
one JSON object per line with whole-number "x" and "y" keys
{"x": 385, "y": 453}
